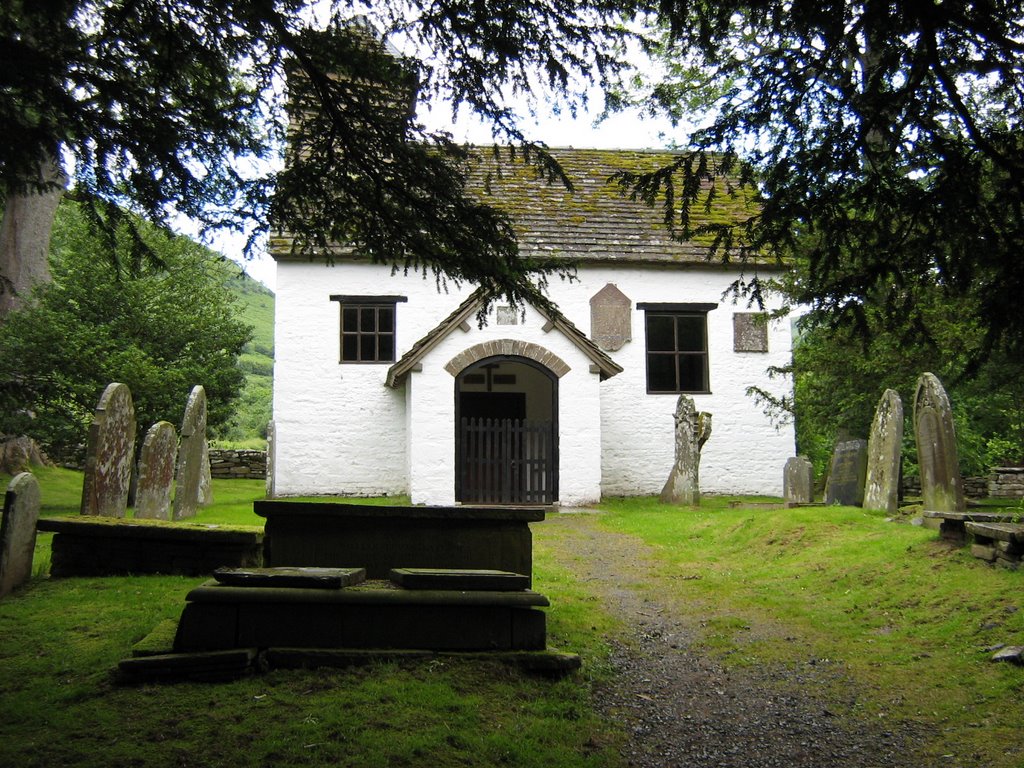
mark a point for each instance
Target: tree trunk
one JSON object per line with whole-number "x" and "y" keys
{"x": 25, "y": 236}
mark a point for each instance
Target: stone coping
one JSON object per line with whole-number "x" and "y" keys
{"x": 114, "y": 527}
{"x": 341, "y": 510}
{"x": 368, "y": 593}
{"x": 998, "y": 531}
{"x": 976, "y": 517}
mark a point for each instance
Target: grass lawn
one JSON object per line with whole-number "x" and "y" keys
{"x": 904, "y": 616}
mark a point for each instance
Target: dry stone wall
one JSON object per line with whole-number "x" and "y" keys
{"x": 238, "y": 464}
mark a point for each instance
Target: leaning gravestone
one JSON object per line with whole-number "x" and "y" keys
{"x": 798, "y": 481}
{"x": 156, "y": 472}
{"x": 18, "y": 532}
{"x": 206, "y": 478}
{"x": 882, "y": 483}
{"x": 190, "y": 455}
{"x": 942, "y": 488}
{"x": 846, "y": 478}
{"x": 110, "y": 453}
{"x": 692, "y": 431}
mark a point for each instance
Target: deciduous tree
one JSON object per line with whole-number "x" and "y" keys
{"x": 158, "y": 329}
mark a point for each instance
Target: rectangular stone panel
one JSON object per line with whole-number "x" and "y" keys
{"x": 294, "y": 577}
{"x": 459, "y": 579}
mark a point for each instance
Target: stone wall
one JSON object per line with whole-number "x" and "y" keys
{"x": 1006, "y": 483}
{"x": 238, "y": 465}
{"x": 338, "y": 428}
{"x": 974, "y": 487}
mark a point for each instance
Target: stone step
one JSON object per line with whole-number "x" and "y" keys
{"x": 372, "y": 615}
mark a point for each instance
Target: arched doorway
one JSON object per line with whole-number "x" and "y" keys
{"x": 506, "y": 432}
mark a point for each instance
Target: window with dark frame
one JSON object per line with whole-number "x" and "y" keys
{"x": 677, "y": 347}
{"x": 367, "y": 328}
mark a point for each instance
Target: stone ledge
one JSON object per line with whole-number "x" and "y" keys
{"x": 113, "y": 527}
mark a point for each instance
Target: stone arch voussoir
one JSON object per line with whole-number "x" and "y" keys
{"x": 510, "y": 348}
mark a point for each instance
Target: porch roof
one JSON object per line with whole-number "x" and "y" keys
{"x": 410, "y": 361}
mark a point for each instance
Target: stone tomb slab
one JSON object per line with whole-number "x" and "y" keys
{"x": 458, "y": 579}
{"x": 295, "y": 577}
{"x": 337, "y": 534}
{"x": 372, "y": 615}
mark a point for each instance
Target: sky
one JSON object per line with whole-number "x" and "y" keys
{"x": 627, "y": 130}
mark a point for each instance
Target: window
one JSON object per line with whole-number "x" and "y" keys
{"x": 368, "y": 328}
{"x": 677, "y": 347}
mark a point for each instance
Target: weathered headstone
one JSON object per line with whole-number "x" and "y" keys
{"x": 798, "y": 481}
{"x": 156, "y": 472}
{"x": 271, "y": 445}
{"x": 206, "y": 478}
{"x": 110, "y": 453}
{"x": 885, "y": 443}
{"x": 942, "y": 488}
{"x": 18, "y": 531}
{"x": 846, "y": 478}
{"x": 692, "y": 431}
{"x": 610, "y": 318}
{"x": 190, "y": 455}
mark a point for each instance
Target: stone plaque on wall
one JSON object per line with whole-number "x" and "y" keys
{"x": 750, "y": 332}
{"x": 610, "y": 318}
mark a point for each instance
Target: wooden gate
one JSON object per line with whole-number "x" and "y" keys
{"x": 506, "y": 461}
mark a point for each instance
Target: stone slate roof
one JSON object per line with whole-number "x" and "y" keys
{"x": 410, "y": 361}
{"x": 595, "y": 222}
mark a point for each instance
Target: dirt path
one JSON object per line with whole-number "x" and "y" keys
{"x": 683, "y": 708}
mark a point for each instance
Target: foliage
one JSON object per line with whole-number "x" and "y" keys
{"x": 839, "y": 376}
{"x": 247, "y": 427}
{"x": 159, "y": 329}
{"x": 884, "y": 138}
{"x": 177, "y": 106}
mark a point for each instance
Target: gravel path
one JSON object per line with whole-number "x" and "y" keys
{"x": 685, "y": 709}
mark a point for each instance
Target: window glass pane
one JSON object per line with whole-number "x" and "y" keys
{"x": 367, "y": 347}
{"x": 661, "y": 373}
{"x": 385, "y": 347}
{"x": 368, "y": 319}
{"x": 691, "y": 373}
{"x": 660, "y": 333}
{"x": 691, "y": 333}
{"x": 349, "y": 347}
{"x": 386, "y": 319}
{"x": 349, "y": 319}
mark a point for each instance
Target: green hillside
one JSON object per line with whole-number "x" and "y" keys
{"x": 256, "y": 307}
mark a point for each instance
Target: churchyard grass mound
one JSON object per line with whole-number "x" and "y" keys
{"x": 911, "y": 619}
{"x": 903, "y": 618}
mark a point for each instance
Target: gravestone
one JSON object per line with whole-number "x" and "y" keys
{"x": 942, "y": 488}
{"x": 798, "y": 481}
{"x": 846, "y": 478}
{"x": 18, "y": 531}
{"x": 271, "y": 445}
{"x": 692, "y": 431}
{"x": 611, "y": 318}
{"x": 885, "y": 443}
{"x": 156, "y": 472}
{"x": 190, "y": 455}
{"x": 206, "y": 478}
{"x": 110, "y": 453}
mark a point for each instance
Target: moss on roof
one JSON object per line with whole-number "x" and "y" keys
{"x": 597, "y": 220}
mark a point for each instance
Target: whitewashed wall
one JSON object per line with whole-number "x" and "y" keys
{"x": 341, "y": 430}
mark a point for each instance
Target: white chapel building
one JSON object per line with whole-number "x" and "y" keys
{"x": 385, "y": 386}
